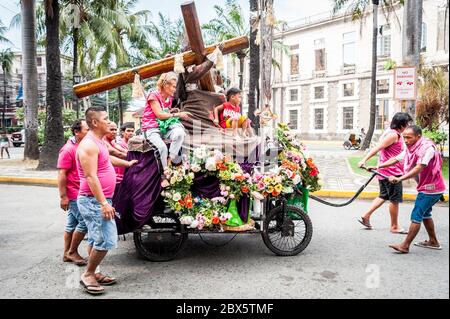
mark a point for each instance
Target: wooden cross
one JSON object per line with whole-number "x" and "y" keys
{"x": 196, "y": 56}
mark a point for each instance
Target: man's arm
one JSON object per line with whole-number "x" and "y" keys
{"x": 386, "y": 142}
{"x": 88, "y": 156}
{"x": 411, "y": 174}
{"x": 62, "y": 186}
{"x": 115, "y": 152}
{"x": 122, "y": 163}
{"x": 217, "y": 109}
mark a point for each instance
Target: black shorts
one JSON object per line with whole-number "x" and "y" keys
{"x": 391, "y": 192}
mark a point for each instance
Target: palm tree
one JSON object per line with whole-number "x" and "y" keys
{"x": 54, "y": 131}
{"x": 30, "y": 79}
{"x": 357, "y": 8}
{"x": 3, "y": 30}
{"x": 228, "y": 24}
{"x": 6, "y": 60}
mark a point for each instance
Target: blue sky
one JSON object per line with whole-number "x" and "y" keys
{"x": 287, "y": 10}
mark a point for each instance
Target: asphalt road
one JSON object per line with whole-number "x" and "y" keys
{"x": 342, "y": 261}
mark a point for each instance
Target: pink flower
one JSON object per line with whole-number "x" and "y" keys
{"x": 261, "y": 186}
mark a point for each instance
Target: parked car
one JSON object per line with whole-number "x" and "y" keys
{"x": 18, "y": 138}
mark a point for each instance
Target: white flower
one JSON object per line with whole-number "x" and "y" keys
{"x": 194, "y": 224}
{"x": 297, "y": 179}
{"x": 186, "y": 220}
{"x": 201, "y": 152}
{"x": 232, "y": 196}
{"x": 191, "y": 175}
{"x": 196, "y": 168}
{"x": 211, "y": 164}
{"x": 288, "y": 190}
{"x": 227, "y": 188}
{"x": 218, "y": 155}
{"x": 179, "y": 178}
{"x": 320, "y": 182}
{"x": 176, "y": 197}
{"x": 173, "y": 180}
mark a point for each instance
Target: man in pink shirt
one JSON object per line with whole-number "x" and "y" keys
{"x": 423, "y": 162}
{"x": 126, "y": 132}
{"x": 97, "y": 184}
{"x": 69, "y": 184}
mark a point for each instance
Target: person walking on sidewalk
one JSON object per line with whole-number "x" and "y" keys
{"x": 391, "y": 145}
{"x": 97, "y": 183}
{"x": 69, "y": 185}
{"x": 5, "y": 143}
{"x": 423, "y": 162}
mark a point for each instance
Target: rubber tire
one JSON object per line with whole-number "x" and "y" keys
{"x": 154, "y": 256}
{"x": 306, "y": 240}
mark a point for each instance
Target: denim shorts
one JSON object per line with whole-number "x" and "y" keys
{"x": 423, "y": 207}
{"x": 102, "y": 234}
{"x": 74, "y": 219}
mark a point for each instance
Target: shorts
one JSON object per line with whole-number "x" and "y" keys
{"x": 75, "y": 221}
{"x": 423, "y": 207}
{"x": 391, "y": 192}
{"x": 241, "y": 121}
{"x": 102, "y": 234}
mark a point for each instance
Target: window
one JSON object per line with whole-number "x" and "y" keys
{"x": 349, "y": 89}
{"x": 295, "y": 59}
{"x": 293, "y": 119}
{"x": 384, "y": 41}
{"x": 381, "y": 114}
{"x": 39, "y": 61}
{"x": 293, "y": 95}
{"x": 319, "y": 92}
{"x": 442, "y": 30}
{"x": 318, "y": 119}
{"x": 320, "y": 54}
{"x": 423, "y": 42}
{"x": 347, "y": 118}
{"x": 383, "y": 86}
{"x": 349, "y": 48}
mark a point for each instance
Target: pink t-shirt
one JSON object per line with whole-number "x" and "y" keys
{"x": 392, "y": 151}
{"x": 105, "y": 171}
{"x": 120, "y": 171}
{"x": 430, "y": 179}
{"x": 149, "y": 118}
{"x": 67, "y": 161}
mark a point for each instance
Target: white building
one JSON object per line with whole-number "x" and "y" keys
{"x": 323, "y": 87}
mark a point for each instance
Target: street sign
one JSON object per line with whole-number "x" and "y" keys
{"x": 405, "y": 83}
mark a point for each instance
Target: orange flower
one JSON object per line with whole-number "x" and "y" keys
{"x": 245, "y": 189}
{"x": 221, "y": 166}
{"x": 240, "y": 178}
{"x": 215, "y": 220}
{"x": 275, "y": 193}
{"x": 181, "y": 202}
{"x": 189, "y": 203}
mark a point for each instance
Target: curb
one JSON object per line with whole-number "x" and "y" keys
{"x": 322, "y": 193}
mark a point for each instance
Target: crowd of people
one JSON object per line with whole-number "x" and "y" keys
{"x": 92, "y": 165}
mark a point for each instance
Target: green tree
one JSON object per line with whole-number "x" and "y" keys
{"x": 6, "y": 61}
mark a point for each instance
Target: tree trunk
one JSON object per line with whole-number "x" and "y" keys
{"x": 54, "y": 132}
{"x": 412, "y": 38}
{"x": 4, "y": 101}
{"x": 30, "y": 78}
{"x": 253, "y": 94}
{"x": 119, "y": 97}
{"x": 241, "y": 57}
{"x": 373, "y": 90}
{"x": 75, "y": 68}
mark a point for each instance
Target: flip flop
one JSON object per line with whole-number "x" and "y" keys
{"x": 88, "y": 289}
{"x": 398, "y": 250}
{"x": 400, "y": 232}
{"x": 425, "y": 245}
{"x": 81, "y": 262}
{"x": 365, "y": 223}
{"x": 104, "y": 282}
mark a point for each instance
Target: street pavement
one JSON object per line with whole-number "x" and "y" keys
{"x": 342, "y": 260}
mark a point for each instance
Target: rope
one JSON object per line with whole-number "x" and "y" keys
{"x": 213, "y": 245}
{"x": 375, "y": 173}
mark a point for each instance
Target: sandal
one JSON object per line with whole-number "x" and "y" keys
{"x": 105, "y": 280}
{"x": 88, "y": 288}
{"x": 426, "y": 244}
{"x": 365, "y": 222}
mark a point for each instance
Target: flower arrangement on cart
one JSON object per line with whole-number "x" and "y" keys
{"x": 296, "y": 170}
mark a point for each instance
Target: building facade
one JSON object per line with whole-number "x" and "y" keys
{"x": 322, "y": 87}
{"x": 14, "y": 87}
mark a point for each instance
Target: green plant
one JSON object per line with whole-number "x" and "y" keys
{"x": 390, "y": 65}
{"x": 439, "y": 137}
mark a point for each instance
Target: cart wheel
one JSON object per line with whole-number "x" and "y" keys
{"x": 347, "y": 145}
{"x": 290, "y": 235}
{"x": 161, "y": 239}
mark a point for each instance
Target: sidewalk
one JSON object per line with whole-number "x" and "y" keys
{"x": 339, "y": 179}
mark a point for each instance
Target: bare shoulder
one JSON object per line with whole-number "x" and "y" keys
{"x": 87, "y": 147}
